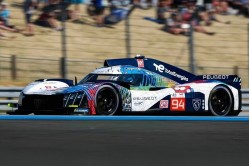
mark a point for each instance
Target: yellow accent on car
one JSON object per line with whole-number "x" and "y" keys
{"x": 73, "y": 106}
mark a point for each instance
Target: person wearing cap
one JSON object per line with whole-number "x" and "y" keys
{"x": 4, "y": 13}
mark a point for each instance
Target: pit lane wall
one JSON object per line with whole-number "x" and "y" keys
{"x": 10, "y": 95}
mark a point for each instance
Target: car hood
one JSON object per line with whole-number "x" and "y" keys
{"x": 56, "y": 87}
{"x": 45, "y": 88}
{"x": 80, "y": 88}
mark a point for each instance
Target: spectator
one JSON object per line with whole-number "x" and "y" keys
{"x": 210, "y": 16}
{"x": 162, "y": 7}
{"x": 221, "y": 7}
{"x": 4, "y": 16}
{"x": 5, "y": 35}
{"x": 198, "y": 28}
{"x": 241, "y": 6}
{"x": 50, "y": 13}
{"x": 175, "y": 25}
{"x": 2, "y": 26}
{"x": 4, "y": 13}
{"x": 118, "y": 14}
{"x": 191, "y": 14}
{"x": 77, "y": 10}
{"x": 99, "y": 11}
{"x": 29, "y": 8}
{"x": 208, "y": 4}
{"x": 48, "y": 20}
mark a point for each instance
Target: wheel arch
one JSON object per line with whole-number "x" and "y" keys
{"x": 118, "y": 93}
{"x": 229, "y": 89}
{"x": 232, "y": 111}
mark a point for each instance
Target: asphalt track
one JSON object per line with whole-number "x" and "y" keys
{"x": 123, "y": 143}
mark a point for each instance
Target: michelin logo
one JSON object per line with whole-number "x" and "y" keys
{"x": 162, "y": 69}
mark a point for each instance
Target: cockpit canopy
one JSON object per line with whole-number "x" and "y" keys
{"x": 131, "y": 75}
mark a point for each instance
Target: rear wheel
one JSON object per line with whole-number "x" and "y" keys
{"x": 106, "y": 100}
{"x": 220, "y": 101}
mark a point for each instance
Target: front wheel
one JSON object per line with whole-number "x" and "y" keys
{"x": 220, "y": 101}
{"x": 106, "y": 100}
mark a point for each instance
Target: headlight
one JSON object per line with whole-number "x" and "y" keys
{"x": 65, "y": 100}
{"x": 69, "y": 99}
{"x": 78, "y": 99}
{"x": 20, "y": 99}
{"x": 73, "y": 99}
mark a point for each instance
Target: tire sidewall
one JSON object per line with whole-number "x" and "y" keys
{"x": 229, "y": 108}
{"x": 112, "y": 89}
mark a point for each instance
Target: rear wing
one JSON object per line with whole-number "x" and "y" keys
{"x": 164, "y": 69}
{"x": 232, "y": 80}
{"x": 174, "y": 73}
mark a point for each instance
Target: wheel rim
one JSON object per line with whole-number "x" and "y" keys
{"x": 220, "y": 102}
{"x": 106, "y": 102}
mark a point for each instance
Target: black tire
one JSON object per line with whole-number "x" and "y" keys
{"x": 220, "y": 101}
{"x": 106, "y": 100}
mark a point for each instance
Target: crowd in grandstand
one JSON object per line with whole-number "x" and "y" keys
{"x": 177, "y": 16}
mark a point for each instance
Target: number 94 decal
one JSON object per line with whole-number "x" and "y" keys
{"x": 177, "y": 104}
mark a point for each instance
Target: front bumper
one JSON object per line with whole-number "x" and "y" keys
{"x": 74, "y": 103}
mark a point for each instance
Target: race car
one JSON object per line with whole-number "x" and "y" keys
{"x": 134, "y": 85}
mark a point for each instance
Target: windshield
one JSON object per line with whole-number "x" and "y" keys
{"x": 134, "y": 79}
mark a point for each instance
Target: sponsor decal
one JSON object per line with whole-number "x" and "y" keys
{"x": 218, "y": 77}
{"x": 145, "y": 98}
{"x": 127, "y": 107}
{"x": 81, "y": 110}
{"x": 178, "y": 95}
{"x": 138, "y": 103}
{"x": 140, "y": 63}
{"x": 196, "y": 104}
{"x": 182, "y": 89}
{"x": 162, "y": 69}
{"x": 48, "y": 87}
{"x": 177, "y": 104}
{"x": 50, "y": 82}
{"x": 52, "y": 88}
{"x": 164, "y": 104}
{"x": 237, "y": 79}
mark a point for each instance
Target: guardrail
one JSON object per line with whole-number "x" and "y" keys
{"x": 10, "y": 95}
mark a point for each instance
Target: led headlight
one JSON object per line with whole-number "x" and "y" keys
{"x": 78, "y": 99}
{"x": 71, "y": 99}
{"x": 65, "y": 99}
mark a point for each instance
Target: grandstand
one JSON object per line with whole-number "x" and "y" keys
{"x": 87, "y": 46}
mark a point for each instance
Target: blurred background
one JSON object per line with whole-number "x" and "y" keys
{"x": 54, "y": 38}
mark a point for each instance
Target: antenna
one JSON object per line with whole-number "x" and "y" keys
{"x": 75, "y": 80}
